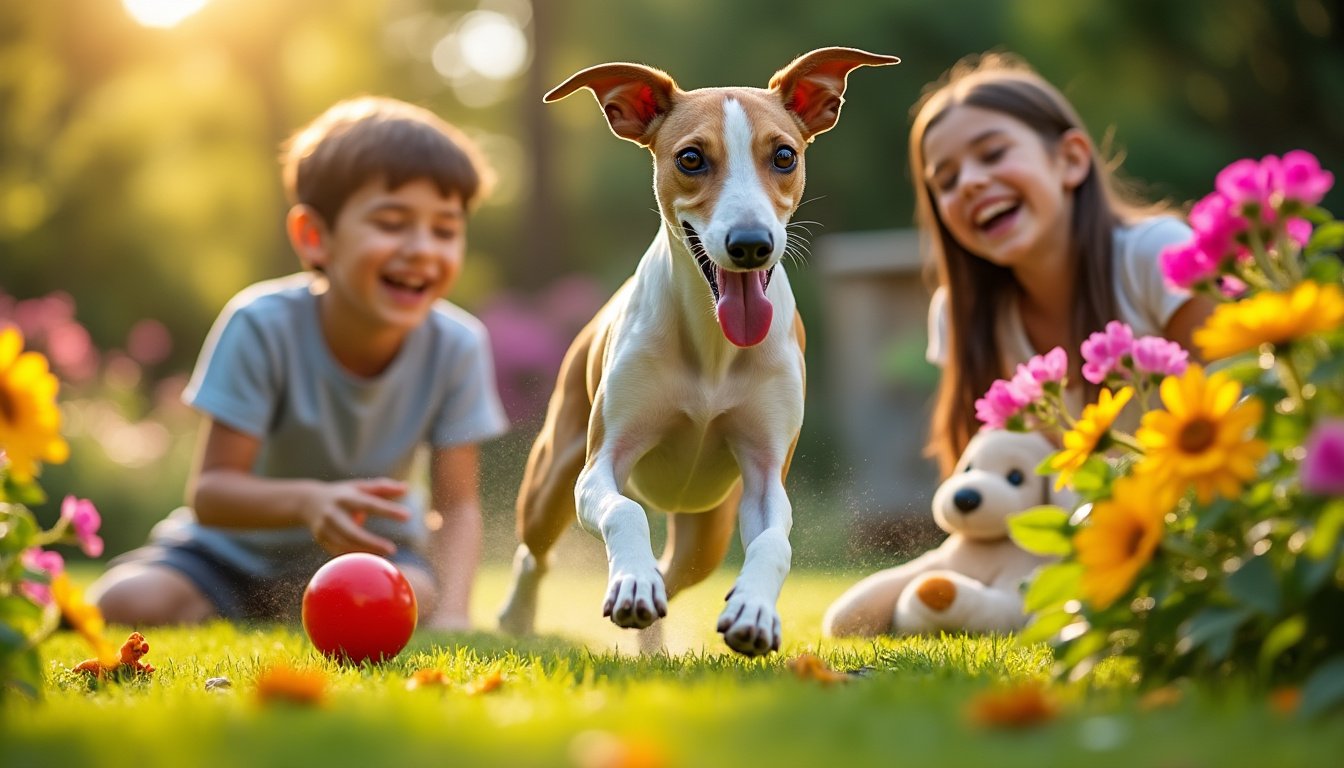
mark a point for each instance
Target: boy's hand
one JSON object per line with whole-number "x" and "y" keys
{"x": 336, "y": 513}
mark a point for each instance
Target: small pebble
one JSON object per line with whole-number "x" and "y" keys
{"x": 218, "y": 684}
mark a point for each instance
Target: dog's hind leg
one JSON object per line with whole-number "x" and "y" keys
{"x": 546, "y": 497}
{"x": 697, "y": 542}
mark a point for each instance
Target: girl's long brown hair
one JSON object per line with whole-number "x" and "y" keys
{"x": 977, "y": 289}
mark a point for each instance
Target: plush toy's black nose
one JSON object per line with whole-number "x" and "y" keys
{"x": 967, "y": 499}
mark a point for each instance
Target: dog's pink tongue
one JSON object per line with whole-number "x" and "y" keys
{"x": 743, "y": 310}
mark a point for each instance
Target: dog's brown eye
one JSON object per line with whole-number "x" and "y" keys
{"x": 691, "y": 161}
{"x": 1016, "y": 477}
{"x": 785, "y": 159}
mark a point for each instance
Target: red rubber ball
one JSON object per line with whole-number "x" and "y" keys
{"x": 359, "y": 607}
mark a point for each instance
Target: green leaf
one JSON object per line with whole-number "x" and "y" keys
{"x": 1308, "y": 575}
{"x": 1093, "y": 477}
{"x": 1212, "y": 627}
{"x": 20, "y": 614}
{"x": 1041, "y": 531}
{"x": 17, "y": 531}
{"x": 11, "y": 639}
{"x": 1315, "y": 214}
{"x": 1328, "y": 527}
{"x": 1209, "y": 517}
{"x": 1327, "y": 237}
{"x": 1324, "y": 690}
{"x": 1044, "y": 626}
{"x": 1086, "y": 645}
{"x": 1254, "y": 584}
{"x": 1053, "y": 586}
{"x": 1325, "y": 270}
{"x": 29, "y": 494}
{"x": 1282, "y": 637}
{"x": 22, "y": 672}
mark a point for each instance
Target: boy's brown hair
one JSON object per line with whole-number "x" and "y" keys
{"x": 372, "y": 137}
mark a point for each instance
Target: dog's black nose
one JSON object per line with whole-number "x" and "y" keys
{"x": 749, "y": 248}
{"x": 967, "y": 499}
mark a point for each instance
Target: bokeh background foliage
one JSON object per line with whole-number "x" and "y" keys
{"x": 138, "y": 183}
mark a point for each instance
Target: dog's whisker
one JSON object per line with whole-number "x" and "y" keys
{"x": 796, "y": 251}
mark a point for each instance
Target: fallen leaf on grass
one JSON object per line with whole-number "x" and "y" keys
{"x": 1161, "y": 698}
{"x": 485, "y": 684}
{"x": 809, "y": 666}
{"x": 427, "y": 678}
{"x": 280, "y": 683}
{"x": 600, "y": 749}
{"x": 1285, "y": 700}
{"x": 1018, "y": 706}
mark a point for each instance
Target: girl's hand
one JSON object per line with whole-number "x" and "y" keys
{"x": 335, "y": 514}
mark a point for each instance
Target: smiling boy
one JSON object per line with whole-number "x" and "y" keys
{"x": 320, "y": 389}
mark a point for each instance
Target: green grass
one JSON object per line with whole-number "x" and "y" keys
{"x": 579, "y": 685}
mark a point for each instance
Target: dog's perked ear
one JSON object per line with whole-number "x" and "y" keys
{"x": 632, "y": 96}
{"x": 813, "y": 85}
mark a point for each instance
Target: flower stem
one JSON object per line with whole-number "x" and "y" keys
{"x": 1261, "y": 253}
{"x": 1292, "y": 380}
{"x": 1128, "y": 441}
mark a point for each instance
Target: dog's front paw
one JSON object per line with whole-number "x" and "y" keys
{"x": 635, "y": 599}
{"x": 749, "y": 625}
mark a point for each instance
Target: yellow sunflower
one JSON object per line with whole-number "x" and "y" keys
{"x": 1204, "y": 438}
{"x": 30, "y": 422}
{"x": 1271, "y": 318}
{"x": 1089, "y": 434}
{"x": 1120, "y": 537}
{"x": 84, "y": 618}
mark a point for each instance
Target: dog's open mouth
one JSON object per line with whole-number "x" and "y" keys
{"x": 740, "y": 304}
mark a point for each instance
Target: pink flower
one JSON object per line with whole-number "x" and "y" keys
{"x": 1302, "y": 180}
{"x": 1105, "y": 350}
{"x": 1299, "y": 231}
{"x": 1323, "y": 465}
{"x": 84, "y": 519}
{"x": 1000, "y": 404}
{"x": 1231, "y": 287}
{"x": 1187, "y": 265}
{"x": 1247, "y": 185}
{"x": 1025, "y": 385}
{"x": 1217, "y": 222}
{"x": 1031, "y": 377}
{"x": 1154, "y": 354}
{"x": 35, "y": 559}
{"x": 1053, "y": 366}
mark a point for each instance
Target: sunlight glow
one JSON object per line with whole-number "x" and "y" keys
{"x": 162, "y": 13}
{"x": 492, "y": 45}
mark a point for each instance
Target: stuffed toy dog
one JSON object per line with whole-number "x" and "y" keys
{"x": 972, "y": 581}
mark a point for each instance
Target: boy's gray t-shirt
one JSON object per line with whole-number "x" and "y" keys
{"x": 266, "y": 370}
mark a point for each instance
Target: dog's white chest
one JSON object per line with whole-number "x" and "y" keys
{"x": 691, "y": 469}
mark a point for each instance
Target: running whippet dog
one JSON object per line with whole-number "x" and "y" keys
{"x": 685, "y": 392}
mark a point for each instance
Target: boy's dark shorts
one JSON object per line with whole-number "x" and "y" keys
{"x": 242, "y": 594}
